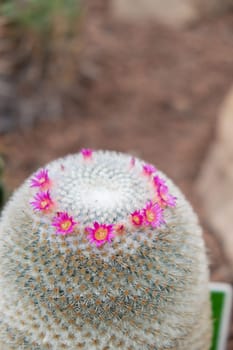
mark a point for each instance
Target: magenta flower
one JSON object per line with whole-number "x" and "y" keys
{"x": 63, "y": 223}
{"x": 137, "y": 218}
{"x": 100, "y": 233}
{"x": 42, "y": 201}
{"x": 41, "y": 179}
{"x": 158, "y": 181}
{"x": 153, "y": 215}
{"x": 165, "y": 199}
{"x": 87, "y": 153}
{"x": 149, "y": 169}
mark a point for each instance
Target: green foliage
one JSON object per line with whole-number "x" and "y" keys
{"x": 39, "y": 14}
{"x": 217, "y": 299}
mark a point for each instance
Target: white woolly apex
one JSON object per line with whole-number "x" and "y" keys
{"x": 104, "y": 197}
{"x": 103, "y": 188}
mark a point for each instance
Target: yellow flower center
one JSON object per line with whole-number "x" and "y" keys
{"x": 136, "y": 219}
{"x": 44, "y": 203}
{"x": 150, "y": 215}
{"x": 101, "y": 234}
{"x": 65, "y": 225}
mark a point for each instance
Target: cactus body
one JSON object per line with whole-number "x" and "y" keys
{"x": 1, "y": 183}
{"x": 145, "y": 288}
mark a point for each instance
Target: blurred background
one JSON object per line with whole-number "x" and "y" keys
{"x": 150, "y": 77}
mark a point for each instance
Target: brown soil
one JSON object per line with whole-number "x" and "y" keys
{"x": 144, "y": 89}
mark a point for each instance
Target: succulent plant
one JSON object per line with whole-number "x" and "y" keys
{"x": 1, "y": 183}
{"x": 102, "y": 251}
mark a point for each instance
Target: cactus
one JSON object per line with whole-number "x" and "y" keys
{"x": 1, "y": 183}
{"x": 102, "y": 251}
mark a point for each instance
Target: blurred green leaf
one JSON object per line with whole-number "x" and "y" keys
{"x": 39, "y": 14}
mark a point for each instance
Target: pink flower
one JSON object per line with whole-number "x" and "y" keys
{"x": 149, "y": 169}
{"x": 153, "y": 215}
{"x": 64, "y": 223}
{"x": 158, "y": 181}
{"x": 42, "y": 201}
{"x": 100, "y": 233}
{"x": 137, "y": 218}
{"x": 165, "y": 199}
{"x": 41, "y": 179}
{"x": 87, "y": 153}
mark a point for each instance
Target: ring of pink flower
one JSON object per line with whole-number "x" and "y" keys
{"x": 152, "y": 214}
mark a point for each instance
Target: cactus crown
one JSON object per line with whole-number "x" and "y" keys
{"x": 98, "y": 189}
{"x": 96, "y": 254}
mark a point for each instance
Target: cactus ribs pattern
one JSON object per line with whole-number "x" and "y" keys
{"x": 145, "y": 287}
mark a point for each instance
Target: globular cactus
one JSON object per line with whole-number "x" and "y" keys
{"x": 101, "y": 251}
{"x": 1, "y": 183}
